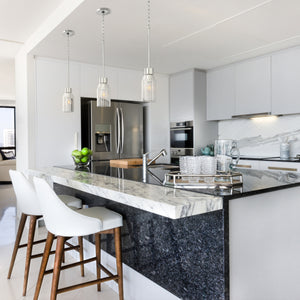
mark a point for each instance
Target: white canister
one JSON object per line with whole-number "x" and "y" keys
{"x": 284, "y": 151}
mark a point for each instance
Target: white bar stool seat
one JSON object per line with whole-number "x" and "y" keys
{"x": 71, "y": 201}
{"x": 29, "y": 206}
{"x": 64, "y": 222}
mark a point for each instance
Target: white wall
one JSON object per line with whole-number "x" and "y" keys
{"x": 25, "y": 111}
{"x": 261, "y": 136}
{"x": 54, "y": 129}
{"x": 7, "y": 80}
{"x": 25, "y": 86}
{"x": 54, "y": 140}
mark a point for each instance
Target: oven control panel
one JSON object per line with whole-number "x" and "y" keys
{"x": 176, "y": 152}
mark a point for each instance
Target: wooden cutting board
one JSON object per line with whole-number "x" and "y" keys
{"x": 125, "y": 162}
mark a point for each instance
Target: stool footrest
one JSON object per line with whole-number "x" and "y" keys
{"x": 34, "y": 243}
{"x": 107, "y": 272}
{"x": 88, "y": 283}
{"x": 72, "y": 247}
{"x": 53, "y": 252}
{"x": 73, "y": 265}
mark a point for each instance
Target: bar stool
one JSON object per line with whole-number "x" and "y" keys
{"x": 65, "y": 222}
{"x": 30, "y": 207}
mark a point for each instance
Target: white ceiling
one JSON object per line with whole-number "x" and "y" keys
{"x": 18, "y": 20}
{"x": 185, "y": 33}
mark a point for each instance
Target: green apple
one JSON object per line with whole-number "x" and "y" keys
{"x": 85, "y": 159}
{"x": 77, "y": 160}
{"x": 85, "y": 151}
{"x": 77, "y": 153}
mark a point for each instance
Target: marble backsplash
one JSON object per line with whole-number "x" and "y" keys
{"x": 262, "y": 136}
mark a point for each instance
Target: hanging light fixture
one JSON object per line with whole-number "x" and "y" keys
{"x": 103, "y": 93}
{"x": 67, "y": 104}
{"x": 148, "y": 80}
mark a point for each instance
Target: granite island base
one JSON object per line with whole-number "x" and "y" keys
{"x": 185, "y": 256}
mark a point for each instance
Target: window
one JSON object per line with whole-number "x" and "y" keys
{"x": 7, "y": 128}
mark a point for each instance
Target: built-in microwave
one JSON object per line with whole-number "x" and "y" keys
{"x": 182, "y": 140}
{"x": 182, "y": 134}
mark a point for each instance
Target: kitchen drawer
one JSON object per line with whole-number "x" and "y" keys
{"x": 280, "y": 166}
{"x": 248, "y": 164}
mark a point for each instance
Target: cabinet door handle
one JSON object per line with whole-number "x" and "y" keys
{"x": 283, "y": 169}
{"x": 244, "y": 166}
{"x": 181, "y": 128}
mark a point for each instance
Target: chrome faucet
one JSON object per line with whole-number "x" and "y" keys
{"x": 162, "y": 152}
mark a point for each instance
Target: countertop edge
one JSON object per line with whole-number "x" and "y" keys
{"x": 163, "y": 201}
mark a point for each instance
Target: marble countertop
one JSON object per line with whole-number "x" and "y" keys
{"x": 164, "y": 201}
{"x": 125, "y": 186}
{"x": 254, "y": 181}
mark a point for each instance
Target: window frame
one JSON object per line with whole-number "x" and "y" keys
{"x": 15, "y": 140}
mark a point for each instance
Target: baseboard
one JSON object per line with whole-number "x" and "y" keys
{"x": 136, "y": 286}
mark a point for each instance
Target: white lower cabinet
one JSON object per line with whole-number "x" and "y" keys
{"x": 248, "y": 164}
{"x": 280, "y": 166}
{"x": 269, "y": 165}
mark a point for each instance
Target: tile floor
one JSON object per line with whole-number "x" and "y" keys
{"x": 12, "y": 289}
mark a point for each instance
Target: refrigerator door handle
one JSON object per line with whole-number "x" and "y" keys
{"x": 117, "y": 130}
{"x": 122, "y": 130}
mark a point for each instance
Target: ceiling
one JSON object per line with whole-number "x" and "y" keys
{"x": 18, "y": 20}
{"x": 184, "y": 33}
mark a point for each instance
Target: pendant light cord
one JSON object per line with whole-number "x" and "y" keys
{"x": 68, "y": 50}
{"x": 148, "y": 31}
{"x": 103, "y": 45}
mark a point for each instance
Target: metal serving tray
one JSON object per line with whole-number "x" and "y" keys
{"x": 221, "y": 180}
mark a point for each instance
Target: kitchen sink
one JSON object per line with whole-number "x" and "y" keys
{"x": 164, "y": 167}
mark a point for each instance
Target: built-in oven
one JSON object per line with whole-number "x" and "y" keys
{"x": 182, "y": 139}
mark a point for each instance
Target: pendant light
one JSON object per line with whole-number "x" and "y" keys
{"x": 103, "y": 92}
{"x": 148, "y": 80}
{"x": 67, "y": 104}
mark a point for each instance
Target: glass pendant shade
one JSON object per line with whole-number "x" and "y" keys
{"x": 67, "y": 100}
{"x": 148, "y": 85}
{"x": 103, "y": 93}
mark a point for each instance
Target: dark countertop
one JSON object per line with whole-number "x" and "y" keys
{"x": 254, "y": 181}
{"x": 273, "y": 158}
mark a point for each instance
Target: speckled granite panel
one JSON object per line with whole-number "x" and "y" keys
{"x": 185, "y": 256}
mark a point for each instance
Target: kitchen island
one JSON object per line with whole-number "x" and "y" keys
{"x": 178, "y": 239}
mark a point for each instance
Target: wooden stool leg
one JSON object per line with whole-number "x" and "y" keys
{"x": 63, "y": 259}
{"x": 98, "y": 256}
{"x": 57, "y": 265}
{"x": 80, "y": 242}
{"x": 44, "y": 262}
{"x": 29, "y": 251}
{"x": 17, "y": 243}
{"x": 117, "y": 233}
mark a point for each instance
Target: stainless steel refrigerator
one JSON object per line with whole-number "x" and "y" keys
{"x": 115, "y": 132}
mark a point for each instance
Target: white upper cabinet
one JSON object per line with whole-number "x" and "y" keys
{"x": 286, "y": 82}
{"x": 182, "y": 96}
{"x": 220, "y": 93}
{"x": 253, "y": 86}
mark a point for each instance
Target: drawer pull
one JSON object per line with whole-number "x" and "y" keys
{"x": 244, "y": 166}
{"x": 283, "y": 169}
